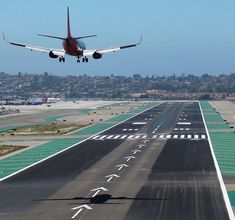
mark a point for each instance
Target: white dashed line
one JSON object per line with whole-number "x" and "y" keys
{"x": 175, "y": 136}
{"x": 168, "y": 136}
{"x": 189, "y": 136}
{"x": 182, "y": 136}
{"x": 117, "y": 136}
{"x": 102, "y": 137}
{"x": 196, "y": 136}
{"x": 124, "y": 136}
{"x": 110, "y": 136}
{"x": 184, "y": 123}
{"x": 203, "y": 136}
{"x": 96, "y": 137}
{"x": 139, "y": 123}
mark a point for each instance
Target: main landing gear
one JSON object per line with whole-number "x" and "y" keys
{"x": 61, "y": 59}
{"x": 84, "y": 60}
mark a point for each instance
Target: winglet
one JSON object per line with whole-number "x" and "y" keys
{"x": 141, "y": 37}
{"x": 3, "y": 35}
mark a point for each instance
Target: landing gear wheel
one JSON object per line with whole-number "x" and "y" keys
{"x": 60, "y": 59}
{"x": 83, "y": 59}
{"x": 86, "y": 59}
{"x": 78, "y": 61}
{"x": 63, "y": 59}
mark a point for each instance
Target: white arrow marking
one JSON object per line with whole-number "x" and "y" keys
{"x": 135, "y": 151}
{"x": 129, "y": 158}
{"x": 98, "y": 190}
{"x": 111, "y": 177}
{"x": 141, "y": 145}
{"x": 80, "y": 208}
{"x": 121, "y": 166}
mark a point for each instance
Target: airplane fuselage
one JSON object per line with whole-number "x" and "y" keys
{"x": 73, "y": 47}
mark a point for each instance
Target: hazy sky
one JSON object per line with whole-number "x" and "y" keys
{"x": 183, "y": 36}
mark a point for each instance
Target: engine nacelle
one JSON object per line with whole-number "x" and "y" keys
{"x": 52, "y": 55}
{"x": 97, "y": 55}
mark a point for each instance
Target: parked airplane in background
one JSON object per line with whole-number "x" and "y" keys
{"x": 73, "y": 46}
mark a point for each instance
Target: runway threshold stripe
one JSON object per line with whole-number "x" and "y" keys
{"x": 220, "y": 178}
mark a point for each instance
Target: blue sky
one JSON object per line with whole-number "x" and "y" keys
{"x": 183, "y": 36}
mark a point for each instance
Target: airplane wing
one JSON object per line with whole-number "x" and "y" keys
{"x": 111, "y": 49}
{"x": 58, "y": 52}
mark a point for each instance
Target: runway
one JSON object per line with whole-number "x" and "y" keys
{"x": 156, "y": 165}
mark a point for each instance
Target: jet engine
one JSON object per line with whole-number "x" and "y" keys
{"x": 97, "y": 55}
{"x": 52, "y": 55}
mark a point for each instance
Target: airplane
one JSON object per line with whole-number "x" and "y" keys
{"x": 72, "y": 46}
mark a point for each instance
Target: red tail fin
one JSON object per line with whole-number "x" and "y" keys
{"x": 68, "y": 20}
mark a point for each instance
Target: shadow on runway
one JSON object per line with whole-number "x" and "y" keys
{"x": 101, "y": 199}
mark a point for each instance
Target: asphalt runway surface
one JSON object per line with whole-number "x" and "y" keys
{"x": 156, "y": 165}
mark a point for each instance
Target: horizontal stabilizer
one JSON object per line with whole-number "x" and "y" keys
{"x": 55, "y": 37}
{"x": 87, "y": 36}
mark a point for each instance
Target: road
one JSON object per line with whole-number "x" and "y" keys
{"x": 157, "y": 165}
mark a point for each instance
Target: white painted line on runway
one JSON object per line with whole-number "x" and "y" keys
{"x": 176, "y": 129}
{"x": 96, "y": 137}
{"x": 137, "y": 136}
{"x": 189, "y": 136}
{"x": 184, "y": 123}
{"x": 102, "y": 137}
{"x": 196, "y": 136}
{"x": 97, "y": 190}
{"x": 117, "y": 136}
{"x": 175, "y": 136}
{"x": 168, "y": 136}
{"x": 110, "y": 136}
{"x": 80, "y": 208}
{"x": 121, "y": 166}
{"x": 145, "y": 141}
{"x": 136, "y": 129}
{"x": 181, "y": 129}
{"x": 154, "y": 136}
{"x": 223, "y": 188}
{"x": 129, "y": 158}
{"x": 130, "y": 129}
{"x": 182, "y": 136}
{"x": 110, "y": 177}
{"x": 187, "y": 129}
{"x": 135, "y": 151}
{"x": 153, "y": 132}
{"x": 141, "y": 145}
{"x": 203, "y": 136}
{"x": 124, "y": 136}
{"x": 131, "y": 136}
{"x": 161, "y": 136}
{"x": 145, "y": 136}
{"x": 124, "y": 129}
{"x": 139, "y": 123}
